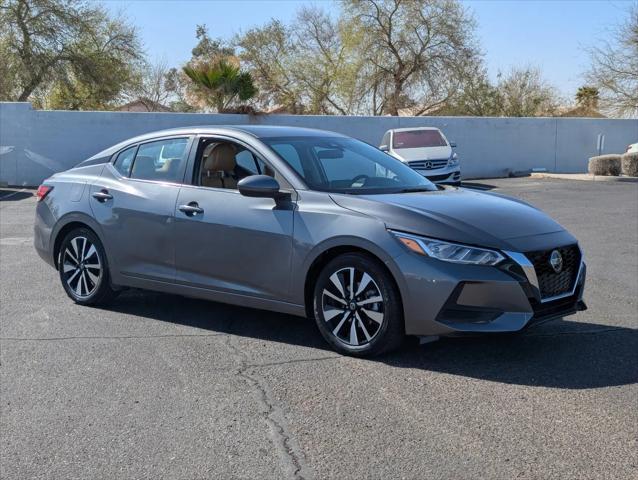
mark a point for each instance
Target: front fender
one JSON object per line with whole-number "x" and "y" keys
{"x": 386, "y": 250}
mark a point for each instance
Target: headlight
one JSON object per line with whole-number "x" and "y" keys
{"x": 453, "y": 161}
{"x": 448, "y": 251}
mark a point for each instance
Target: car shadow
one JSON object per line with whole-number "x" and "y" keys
{"x": 8, "y": 195}
{"x": 557, "y": 354}
{"x": 478, "y": 185}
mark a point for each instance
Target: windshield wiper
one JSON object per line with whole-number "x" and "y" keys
{"x": 414, "y": 189}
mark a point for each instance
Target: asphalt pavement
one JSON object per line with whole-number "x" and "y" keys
{"x": 160, "y": 386}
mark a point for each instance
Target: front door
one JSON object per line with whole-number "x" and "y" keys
{"x": 226, "y": 241}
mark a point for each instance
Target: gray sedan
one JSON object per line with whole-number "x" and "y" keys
{"x": 309, "y": 223}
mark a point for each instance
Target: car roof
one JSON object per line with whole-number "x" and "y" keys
{"x": 257, "y": 131}
{"x": 412, "y": 129}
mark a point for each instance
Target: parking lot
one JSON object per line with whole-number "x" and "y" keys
{"x": 160, "y": 386}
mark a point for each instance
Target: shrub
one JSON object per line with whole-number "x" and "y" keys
{"x": 604, "y": 165}
{"x": 629, "y": 164}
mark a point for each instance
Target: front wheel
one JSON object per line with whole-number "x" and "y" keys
{"x": 357, "y": 306}
{"x": 83, "y": 268}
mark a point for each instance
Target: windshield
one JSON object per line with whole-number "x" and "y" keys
{"x": 346, "y": 165}
{"x": 418, "y": 139}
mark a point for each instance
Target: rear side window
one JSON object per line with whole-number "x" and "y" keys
{"x": 162, "y": 160}
{"x": 124, "y": 161}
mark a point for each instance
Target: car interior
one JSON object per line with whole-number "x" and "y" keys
{"x": 326, "y": 165}
{"x": 160, "y": 161}
{"x": 222, "y": 164}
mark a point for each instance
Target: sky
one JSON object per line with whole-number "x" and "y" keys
{"x": 551, "y": 35}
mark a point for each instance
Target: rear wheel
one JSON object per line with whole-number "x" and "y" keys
{"x": 357, "y": 306}
{"x": 83, "y": 268}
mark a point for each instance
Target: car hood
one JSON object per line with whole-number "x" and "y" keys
{"x": 423, "y": 153}
{"x": 462, "y": 215}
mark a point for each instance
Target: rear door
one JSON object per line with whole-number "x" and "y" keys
{"x": 134, "y": 202}
{"x": 233, "y": 243}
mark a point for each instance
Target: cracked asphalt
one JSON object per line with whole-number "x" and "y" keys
{"x": 160, "y": 386}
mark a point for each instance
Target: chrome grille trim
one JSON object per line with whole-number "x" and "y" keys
{"x": 433, "y": 164}
{"x": 530, "y": 273}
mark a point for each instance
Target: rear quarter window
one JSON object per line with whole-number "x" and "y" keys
{"x": 124, "y": 161}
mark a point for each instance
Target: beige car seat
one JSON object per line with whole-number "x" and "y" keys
{"x": 218, "y": 168}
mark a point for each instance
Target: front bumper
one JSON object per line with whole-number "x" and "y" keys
{"x": 442, "y": 298}
{"x": 446, "y": 175}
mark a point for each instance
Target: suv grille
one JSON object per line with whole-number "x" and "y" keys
{"x": 551, "y": 283}
{"x": 428, "y": 164}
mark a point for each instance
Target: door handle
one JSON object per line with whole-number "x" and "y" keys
{"x": 102, "y": 196}
{"x": 191, "y": 209}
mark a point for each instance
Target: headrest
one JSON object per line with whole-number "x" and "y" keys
{"x": 143, "y": 167}
{"x": 221, "y": 157}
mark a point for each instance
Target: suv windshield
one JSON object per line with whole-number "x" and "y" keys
{"x": 418, "y": 139}
{"x": 346, "y": 165}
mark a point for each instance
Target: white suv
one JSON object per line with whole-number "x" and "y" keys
{"x": 426, "y": 150}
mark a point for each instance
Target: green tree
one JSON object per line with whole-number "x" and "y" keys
{"x": 70, "y": 53}
{"x": 377, "y": 57}
{"x": 477, "y": 96}
{"x": 524, "y": 93}
{"x": 222, "y": 82}
{"x": 588, "y": 97}
{"x": 208, "y": 47}
{"x": 614, "y": 68}
{"x": 418, "y": 50}
{"x": 269, "y": 53}
{"x": 521, "y": 93}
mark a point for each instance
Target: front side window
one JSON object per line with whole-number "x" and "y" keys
{"x": 222, "y": 164}
{"x": 346, "y": 165}
{"x": 162, "y": 160}
{"x": 288, "y": 152}
{"x": 418, "y": 139}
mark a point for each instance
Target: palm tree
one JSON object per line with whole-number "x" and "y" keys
{"x": 224, "y": 82}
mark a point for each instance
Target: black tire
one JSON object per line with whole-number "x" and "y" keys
{"x": 84, "y": 283}
{"x": 378, "y": 326}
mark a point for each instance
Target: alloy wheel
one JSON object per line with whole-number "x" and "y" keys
{"x": 353, "y": 307}
{"x": 81, "y": 266}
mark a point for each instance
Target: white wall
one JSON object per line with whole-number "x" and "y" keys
{"x": 35, "y": 144}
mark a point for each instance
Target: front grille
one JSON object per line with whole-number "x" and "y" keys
{"x": 551, "y": 283}
{"x": 428, "y": 164}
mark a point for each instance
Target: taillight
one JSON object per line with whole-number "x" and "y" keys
{"x": 43, "y": 191}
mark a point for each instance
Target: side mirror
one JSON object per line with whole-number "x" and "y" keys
{"x": 259, "y": 186}
{"x": 453, "y": 144}
{"x": 383, "y": 148}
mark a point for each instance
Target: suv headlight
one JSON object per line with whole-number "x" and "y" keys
{"x": 453, "y": 161}
{"x": 448, "y": 251}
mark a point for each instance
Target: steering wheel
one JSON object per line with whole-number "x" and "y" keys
{"x": 359, "y": 177}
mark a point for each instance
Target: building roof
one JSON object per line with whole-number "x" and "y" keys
{"x": 582, "y": 111}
